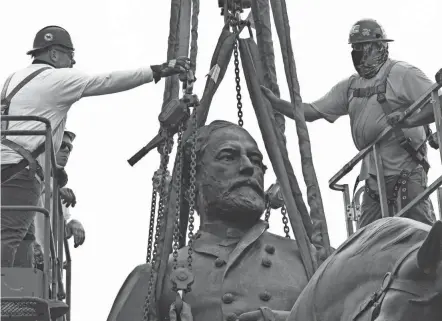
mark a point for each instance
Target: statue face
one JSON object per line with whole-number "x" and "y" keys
{"x": 230, "y": 177}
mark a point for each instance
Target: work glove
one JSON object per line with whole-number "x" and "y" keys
{"x": 274, "y": 196}
{"x": 68, "y": 197}
{"x": 75, "y": 228}
{"x": 176, "y": 66}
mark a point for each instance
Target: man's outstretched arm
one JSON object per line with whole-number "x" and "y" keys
{"x": 330, "y": 107}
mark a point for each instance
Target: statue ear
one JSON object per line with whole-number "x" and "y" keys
{"x": 429, "y": 254}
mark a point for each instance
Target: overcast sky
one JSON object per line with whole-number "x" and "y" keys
{"x": 114, "y": 198}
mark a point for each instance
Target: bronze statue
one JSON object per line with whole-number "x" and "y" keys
{"x": 389, "y": 270}
{"x": 242, "y": 272}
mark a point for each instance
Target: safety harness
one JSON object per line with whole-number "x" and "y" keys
{"x": 418, "y": 155}
{"x": 29, "y": 158}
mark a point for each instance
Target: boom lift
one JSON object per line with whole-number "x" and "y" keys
{"x": 30, "y": 293}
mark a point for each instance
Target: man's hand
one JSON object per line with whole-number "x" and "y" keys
{"x": 395, "y": 117}
{"x": 76, "y": 229}
{"x": 274, "y": 195}
{"x": 280, "y": 105}
{"x": 68, "y": 197}
{"x": 176, "y": 66}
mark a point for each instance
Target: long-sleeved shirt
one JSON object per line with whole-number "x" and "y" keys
{"x": 52, "y": 93}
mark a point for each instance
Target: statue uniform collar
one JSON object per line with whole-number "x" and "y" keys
{"x": 208, "y": 242}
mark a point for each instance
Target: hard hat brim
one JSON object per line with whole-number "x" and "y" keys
{"x": 374, "y": 40}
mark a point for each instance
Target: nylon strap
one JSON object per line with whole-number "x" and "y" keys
{"x": 29, "y": 158}
{"x": 6, "y": 101}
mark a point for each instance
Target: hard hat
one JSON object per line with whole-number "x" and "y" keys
{"x": 51, "y": 35}
{"x": 71, "y": 135}
{"x": 367, "y": 30}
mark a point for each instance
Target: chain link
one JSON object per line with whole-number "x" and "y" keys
{"x": 285, "y": 220}
{"x": 153, "y": 209}
{"x": 268, "y": 210}
{"x": 176, "y": 233}
{"x": 192, "y": 191}
{"x": 238, "y": 84}
{"x": 163, "y": 195}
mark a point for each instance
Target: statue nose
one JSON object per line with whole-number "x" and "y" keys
{"x": 246, "y": 167}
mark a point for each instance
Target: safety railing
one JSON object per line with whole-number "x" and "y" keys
{"x": 53, "y": 235}
{"x": 352, "y": 206}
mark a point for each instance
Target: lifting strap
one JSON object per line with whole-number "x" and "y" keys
{"x": 29, "y": 158}
{"x": 418, "y": 155}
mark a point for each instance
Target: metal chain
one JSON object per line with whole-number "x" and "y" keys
{"x": 238, "y": 84}
{"x": 268, "y": 209}
{"x": 176, "y": 232}
{"x": 153, "y": 209}
{"x": 192, "y": 191}
{"x": 285, "y": 221}
{"x": 163, "y": 194}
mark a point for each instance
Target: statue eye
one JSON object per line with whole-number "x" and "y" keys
{"x": 227, "y": 156}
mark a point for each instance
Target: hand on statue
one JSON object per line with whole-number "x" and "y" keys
{"x": 274, "y": 196}
{"x": 176, "y": 66}
{"x": 76, "y": 229}
{"x": 68, "y": 197}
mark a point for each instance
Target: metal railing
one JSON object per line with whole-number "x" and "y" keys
{"x": 53, "y": 235}
{"x": 351, "y": 206}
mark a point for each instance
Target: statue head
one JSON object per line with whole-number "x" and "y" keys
{"x": 229, "y": 174}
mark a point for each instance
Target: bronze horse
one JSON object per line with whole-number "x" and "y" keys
{"x": 388, "y": 271}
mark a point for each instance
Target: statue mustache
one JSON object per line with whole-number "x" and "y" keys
{"x": 250, "y": 182}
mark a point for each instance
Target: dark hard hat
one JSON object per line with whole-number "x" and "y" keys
{"x": 71, "y": 135}
{"x": 51, "y": 35}
{"x": 367, "y": 30}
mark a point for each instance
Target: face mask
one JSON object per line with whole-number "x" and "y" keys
{"x": 357, "y": 56}
{"x": 370, "y": 59}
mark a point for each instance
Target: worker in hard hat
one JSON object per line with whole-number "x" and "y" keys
{"x": 48, "y": 88}
{"x": 68, "y": 199}
{"x": 379, "y": 87}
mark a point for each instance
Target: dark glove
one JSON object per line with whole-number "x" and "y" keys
{"x": 274, "y": 196}
{"x": 176, "y": 66}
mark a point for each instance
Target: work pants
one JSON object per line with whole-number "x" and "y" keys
{"x": 17, "y": 227}
{"x": 417, "y": 183}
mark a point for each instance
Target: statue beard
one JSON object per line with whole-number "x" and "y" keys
{"x": 242, "y": 206}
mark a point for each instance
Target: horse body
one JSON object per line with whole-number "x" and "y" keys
{"x": 346, "y": 280}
